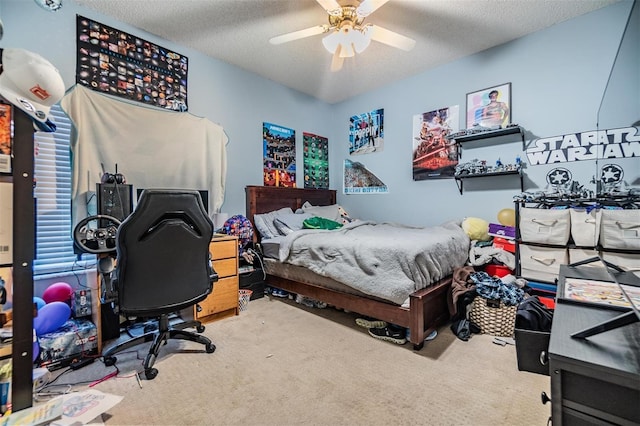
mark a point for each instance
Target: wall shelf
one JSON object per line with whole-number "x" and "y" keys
{"x": 460, "y": 179}
{"x": 490, "y": 134}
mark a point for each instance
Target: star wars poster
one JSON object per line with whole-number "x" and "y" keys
{"x": 435, "y": 156}
{"x": 359, "y": 180}
{"x": 315, "y": 161}
{"x": 120, "y": 64}
{"x": 366, "y": 132}
{"x": 279, "y": 155}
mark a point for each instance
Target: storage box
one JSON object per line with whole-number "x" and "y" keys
{"x": 498, "y": 230}
{"x": 532, "y": 351}
{"x": 620, "y": 229}
{"x": 75, "y": 339}
{"x": 546, "y": 226}
{"x": 504, "y": 244}
{"x": 541, "y": 263}
{"x": 585, "y": 226}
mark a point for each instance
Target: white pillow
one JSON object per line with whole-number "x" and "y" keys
{"x": 333, "y": 212}
{"x": 265, "y": 222}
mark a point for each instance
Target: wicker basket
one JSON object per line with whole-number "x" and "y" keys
{"x": 493, "y": 317}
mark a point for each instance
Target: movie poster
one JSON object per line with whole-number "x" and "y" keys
{"x": 279, "y": 154}
{"x": 366, "y": 132}
{"x": 359, "y": 180}
{"x": 315, "y": 161}
{"x": 5, "y": 138}
{"x": 435, "y": 156}
{"x": 120, "y": 64}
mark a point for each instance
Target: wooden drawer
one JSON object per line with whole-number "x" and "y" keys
{"x": 221, "y": 249}
{"x": 224, "y": 297}
{"x": 226, "y": 267}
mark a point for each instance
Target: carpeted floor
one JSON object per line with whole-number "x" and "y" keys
{"x": 279, "y": 363}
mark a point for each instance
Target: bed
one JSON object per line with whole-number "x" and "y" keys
{"x": 423, "y": 311}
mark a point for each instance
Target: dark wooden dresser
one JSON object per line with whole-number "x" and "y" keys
{"x": 594, "y": 380}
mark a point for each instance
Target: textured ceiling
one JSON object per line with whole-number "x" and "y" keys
{"x": 238, "y": 32}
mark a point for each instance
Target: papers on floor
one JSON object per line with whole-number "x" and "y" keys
{"x": 72, "y": 408}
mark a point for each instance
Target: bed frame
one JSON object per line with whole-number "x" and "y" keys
{"x": 428, "y": 308}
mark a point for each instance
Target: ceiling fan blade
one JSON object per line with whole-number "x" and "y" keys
{"x": 389, "y": 37}
{"x": 296, "y": 35}
{"x": 337, "y": 60}
{"x": 367, "y": 7}
{"x": 331, "y": 6}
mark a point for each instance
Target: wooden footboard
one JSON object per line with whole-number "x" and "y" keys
{"x": 428, "y": 308}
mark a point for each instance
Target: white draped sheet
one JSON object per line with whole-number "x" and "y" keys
{"x": 152, "y": 148}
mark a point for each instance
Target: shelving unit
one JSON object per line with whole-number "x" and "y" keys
{"x": 514, "y": 130}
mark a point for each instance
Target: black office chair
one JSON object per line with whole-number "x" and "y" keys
{"x": 163, "y": 266}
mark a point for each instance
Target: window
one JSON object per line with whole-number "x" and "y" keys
{"x": 54, "y": 243}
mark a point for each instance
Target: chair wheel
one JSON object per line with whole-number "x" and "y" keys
{"x": 200, "y": 328}
{"x": 110, "y": 360}
{"x": 211, "y": 348}
{"x": 150, "y": 373}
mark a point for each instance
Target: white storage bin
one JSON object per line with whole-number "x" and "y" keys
{"x": 547, "y": 226}
{"x": 541, "y": 263}
{"x": 620, "y": 229}
{"x": 578, "y": 255}
{"x": 585, "y": 226}
{"x": 626, "y": 261}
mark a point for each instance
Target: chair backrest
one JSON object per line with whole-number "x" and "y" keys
{"x": 163, "y": 253}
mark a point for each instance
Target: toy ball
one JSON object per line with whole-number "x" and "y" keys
{"x": 507, "y": 217}
{"x": 58, "y": 292}
{"x": 39, "y": 302}
{"x": 51, "y": 317}
{"x": 476, "y": 228}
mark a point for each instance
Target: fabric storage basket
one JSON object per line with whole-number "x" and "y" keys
{"x": 545, "y": 226}
{"x": 627, "y": 261}
{"x": 493, "y": 317}
{"x": 541, "y": 263}
{"x": 578, "y": 255}
{"x": 620, "y": 229}
{"x": 585, "y": 226}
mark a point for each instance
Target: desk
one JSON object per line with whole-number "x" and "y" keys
{"x": 593, "y": 380}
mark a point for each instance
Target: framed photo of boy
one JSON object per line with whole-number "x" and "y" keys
{"x": 490, "y": 107}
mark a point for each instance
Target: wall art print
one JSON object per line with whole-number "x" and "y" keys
{"x": 279, "y": 155}
{"x": 120, "y": 64}
{"x": 366, "y": 132}
{"x": 359, "y": 180}
{"x": 490, "y": 107}
{"x": 435, "y": 156}
{"x": 315, "y": 159}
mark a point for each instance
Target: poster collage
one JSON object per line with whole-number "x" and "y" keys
{"x": 120, "y": 64}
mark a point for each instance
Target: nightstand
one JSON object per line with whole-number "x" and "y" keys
{"x": 223, "y": 301}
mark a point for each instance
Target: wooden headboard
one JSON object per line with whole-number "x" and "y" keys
{"x": 264, "y": 199}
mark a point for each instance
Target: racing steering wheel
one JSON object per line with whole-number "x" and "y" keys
{"x": 96, "y": 240}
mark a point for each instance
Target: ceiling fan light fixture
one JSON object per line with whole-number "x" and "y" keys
{"x": 349, "y": 39}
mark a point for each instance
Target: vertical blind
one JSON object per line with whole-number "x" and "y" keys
{"x": 54, "y": 243}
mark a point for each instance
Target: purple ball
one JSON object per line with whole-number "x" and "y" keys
{"x": 51, "y": 317}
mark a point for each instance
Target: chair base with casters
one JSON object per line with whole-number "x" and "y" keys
{"x": 159, "y": 337}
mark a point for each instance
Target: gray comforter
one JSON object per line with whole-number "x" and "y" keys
{"x": 385, "y": 260}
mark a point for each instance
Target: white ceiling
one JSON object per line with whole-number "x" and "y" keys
{"x": 238, "y": 32}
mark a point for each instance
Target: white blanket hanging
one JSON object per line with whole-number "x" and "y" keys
{"x": 152, "y": 148}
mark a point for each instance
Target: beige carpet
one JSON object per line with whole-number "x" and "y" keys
{"x": 279, "y": 363}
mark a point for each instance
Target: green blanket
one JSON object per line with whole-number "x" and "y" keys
{"x": 320, "y": 223}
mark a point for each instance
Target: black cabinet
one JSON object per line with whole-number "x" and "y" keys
{"x": 594, "y": 380}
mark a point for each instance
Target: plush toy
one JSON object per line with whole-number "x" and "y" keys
{"x": 476, "y": 228}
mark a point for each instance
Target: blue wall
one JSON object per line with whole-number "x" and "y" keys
{"x": 558, "y": 77}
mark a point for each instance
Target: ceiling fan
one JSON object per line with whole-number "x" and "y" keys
{"x": 348, "y": 32}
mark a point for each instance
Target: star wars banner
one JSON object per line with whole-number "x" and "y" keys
{"x": 622, "y": 142}
{"x": 114, "y": 62}
{"x": 315, "y": 161}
